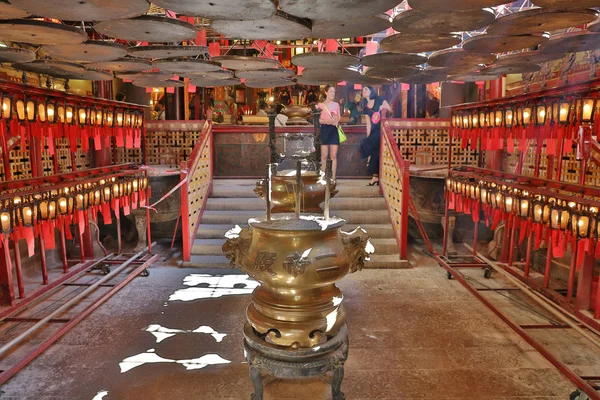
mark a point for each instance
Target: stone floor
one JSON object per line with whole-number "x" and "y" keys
{"x": 176, "y": 334}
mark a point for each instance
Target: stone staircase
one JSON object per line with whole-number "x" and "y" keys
{"x": 233, "y": 202}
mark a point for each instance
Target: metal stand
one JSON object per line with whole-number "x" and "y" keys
{"x": 277, "y": 362}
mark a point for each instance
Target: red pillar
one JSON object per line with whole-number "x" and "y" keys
{"x": 493, "y": 158}
{"x": 102, "y": 158}
{"x": 584, "y": 283}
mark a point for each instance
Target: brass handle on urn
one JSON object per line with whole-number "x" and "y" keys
{"x": 260, "y": 189}
{"x": 236, "y": 246}
{"x": 357, "y": 248}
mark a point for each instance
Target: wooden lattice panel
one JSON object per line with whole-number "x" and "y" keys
{"x": 166, "y": 143}
{"x": 126, "y": 156}
{"x": 426, "y": 143}
{"x": 571, "y": 167}
{"x": 20, "y": 163}
{"x": 198, "y": 185}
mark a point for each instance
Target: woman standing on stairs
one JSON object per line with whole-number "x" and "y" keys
{"x": 370, "y": 146}
{"x": 329, "y": 120}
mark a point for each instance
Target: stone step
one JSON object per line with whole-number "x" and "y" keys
{"x": 256, "y": 204}
{"x": 378, "y": 261}
{"x": 376, "y": 231}
{"x": 213, "y": 247}
{"x": 242, "y": 217}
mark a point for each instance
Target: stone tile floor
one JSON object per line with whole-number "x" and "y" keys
{"x": 414, "y": 334}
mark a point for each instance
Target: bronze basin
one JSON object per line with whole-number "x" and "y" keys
{"x": 282, "y": 193}
{"x": 297, "y": 263}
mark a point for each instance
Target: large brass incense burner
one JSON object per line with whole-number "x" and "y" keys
{"x": 297, "y": 321}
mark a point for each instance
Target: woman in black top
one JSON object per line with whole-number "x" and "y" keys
{"x": 373, "y": 105}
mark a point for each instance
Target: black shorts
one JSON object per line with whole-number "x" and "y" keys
{"x": 329, "y": 135}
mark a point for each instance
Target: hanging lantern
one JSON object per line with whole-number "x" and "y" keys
{"x": 42, "y": 112}
{"x": 20, "y": 107}
{"x": 509, "y": 118}
{"x": 538, "y": 210}
{"x": 499, "y": 118}
{"x": 128, "y": 123}
{"x": 474, "y": 120}
{"x": 466, "y": 122}
{"x": 47, "y": 208}
{"x": 526, "y": 117}
{"x": 82, "y": 115}
{"x": 541, "y": 113}
{"x": 135, "y": 184}
{"x": 28, "y": 214}
{"x": 6, "y": 221}
{"x": 61, "y": 114}
{"x": 524, "y": 205}
{"x": 128, "y": 187}
{"x": 564, "y": 112}
{"x": 448, "y": 184}
{"x": 83, "y": 200}
{"x": 581, "y": 225}
{"x": 497, "y": 199}
{"x": 588, "y": 107}
{"x": 69, "y": 115}
{"x": 30, "y": 110}
{"x": 482, "y": 119}
{"x": 119, "y": 119}
{"x": 559, "y": 217}
{"x": 509, "y": 203}
{"x": 51, "y": 112}
{"x": 97, "y": 197}
{"x": 6, "y": 106}
{"x": 109, "y": 117}
{"x": 491, "y": 119}
{"x": 144, "y": 183}
{"x": 99, "y": 117}
{"x": 484, "y": 193}
{"x": 115, "y": 191}
{"x": 106, "y": 194}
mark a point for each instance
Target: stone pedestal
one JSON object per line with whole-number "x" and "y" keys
{"x": 268, "y": 361}
{"x": 141, "y": 225}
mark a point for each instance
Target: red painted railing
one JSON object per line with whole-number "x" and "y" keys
{"x": 197, "y": 172}
{"x": 394, "y": 180}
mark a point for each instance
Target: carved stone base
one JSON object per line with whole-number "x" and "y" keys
{"x": 449, "y": 234}
{"x": 139, "y": 216}
{"x": 275, "y": 362}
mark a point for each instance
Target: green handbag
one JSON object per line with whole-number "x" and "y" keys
{"x": 341, "y": 134}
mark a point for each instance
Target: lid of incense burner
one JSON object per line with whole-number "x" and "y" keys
{"x": 288, "y": 222}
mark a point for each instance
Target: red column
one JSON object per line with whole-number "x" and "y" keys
{"x": 584, "y": 283}
{"x": 493, "y": 158}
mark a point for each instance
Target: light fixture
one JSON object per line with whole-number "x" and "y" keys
{"x": 6, "y": 106}
{"x": 541, "y": 114}
{"x": 526, "y": 116}
{"x": 82, "y": 115}
{"x": 509, "y": 118}
{"x": 524, "y": 205}
{"x": 474, "y": 120}
{"x": 69, "y": 114}
{"x": 499, "y": 118}
{"x": 31, "y": 110}
{"x": 564, "y": 112}
{"x": 588, "y": 107}
{"x": 482, "y": 119}
{"x": 559, "y": 216}
{"x": 28, "y": 214}
{"x": 581, "y": 224}
{"x": 6, "y": 221}
{"x": 109, "y": 118}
